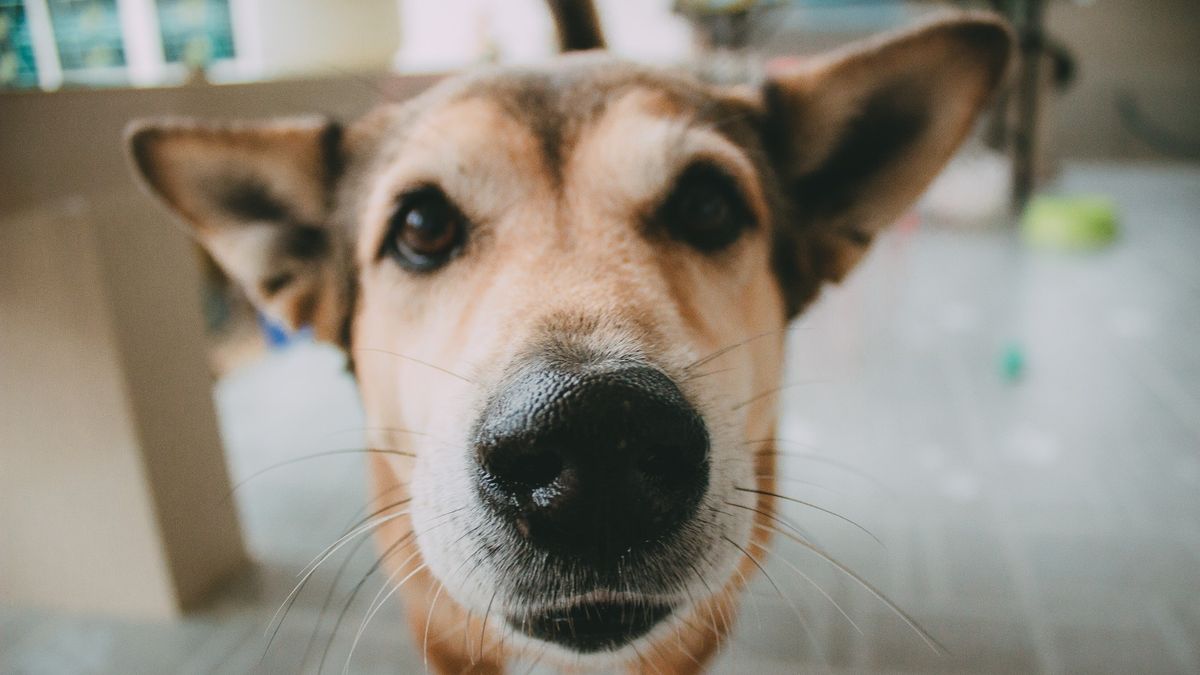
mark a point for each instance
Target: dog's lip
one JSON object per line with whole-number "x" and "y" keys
{"x": 593, "y": 624}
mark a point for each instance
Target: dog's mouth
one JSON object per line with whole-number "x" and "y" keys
{"x": 592, "y": 626}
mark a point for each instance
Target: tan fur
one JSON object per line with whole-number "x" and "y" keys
{"x": 560, "y": 248}
{"x": 667, "y": 299}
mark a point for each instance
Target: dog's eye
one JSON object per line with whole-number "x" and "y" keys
{"x": 425, "y": 231}
{"x": 705, "y": 209}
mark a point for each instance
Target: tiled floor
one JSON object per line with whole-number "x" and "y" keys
{"x": 1048, "y": 524}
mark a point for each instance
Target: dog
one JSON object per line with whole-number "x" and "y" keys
{"x": 563, "y": 292}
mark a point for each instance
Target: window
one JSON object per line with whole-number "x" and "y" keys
{"x": 88, "y": 36}
{"x": 195, "y": 32}
{"x": 17, "y": 65}
{"x": 114, "y": 42}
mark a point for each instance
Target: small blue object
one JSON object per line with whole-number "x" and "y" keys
{"x": 277, "y": 336}
{"x": 1012, "y": 362}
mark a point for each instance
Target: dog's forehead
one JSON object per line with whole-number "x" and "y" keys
{"x": 580, "y": 124}
{"x": 556, "y": 102}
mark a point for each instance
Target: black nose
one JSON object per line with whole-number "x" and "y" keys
{"x": 592, "y": 462}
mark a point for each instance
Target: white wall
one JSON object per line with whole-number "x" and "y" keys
{"x": 439, "y": 35}
{"x": 280, "y": 38}
{"x": 112, "y": 481}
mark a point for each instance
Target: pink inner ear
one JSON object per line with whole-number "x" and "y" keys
{"x": 784, "y": 64}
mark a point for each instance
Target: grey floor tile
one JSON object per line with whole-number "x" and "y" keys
{"x": 1101, "y": 648}
{"x": 104, "y": 646}
{"x": 973, "y": 644}
{"x": 1129, "y": 563}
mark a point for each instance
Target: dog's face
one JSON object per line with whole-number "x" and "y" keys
{"x": 563, "y": 291}
{"x": 592, "y": 233}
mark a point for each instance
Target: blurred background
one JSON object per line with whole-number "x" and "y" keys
{"x": 1006, "y": 394}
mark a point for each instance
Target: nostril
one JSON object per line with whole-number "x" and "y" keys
{"x": 536, "y": 469}
{"x": 525, "y": 468}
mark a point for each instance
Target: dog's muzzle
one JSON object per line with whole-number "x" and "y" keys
{"x": 593, "y": 470}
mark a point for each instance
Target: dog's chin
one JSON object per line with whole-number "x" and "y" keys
{"x": 591, "y": 626}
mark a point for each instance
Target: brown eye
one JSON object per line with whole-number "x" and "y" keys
{"x": 425, "y": 231}
{"x": 705, "y": 209}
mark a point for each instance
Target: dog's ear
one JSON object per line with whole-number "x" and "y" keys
{"x": 258, "y": 198}
{"x": 857, "y": 136}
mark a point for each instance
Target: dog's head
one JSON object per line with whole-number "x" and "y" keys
{"x": 563, "y": 289}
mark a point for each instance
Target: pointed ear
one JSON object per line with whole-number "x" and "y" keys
{"x": 858, "y": 135}
{"x": 258, "y": 197}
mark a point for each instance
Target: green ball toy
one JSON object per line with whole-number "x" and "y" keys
{"x": 1069, "y": 223}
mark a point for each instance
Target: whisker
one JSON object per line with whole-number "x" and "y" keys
{"x": 819, "y": 458}
{"x": 317, "y": 455}
{"x": 728, "y": 348}
{"x": 496, "y": 647}
{"x": 801, "y": 502}
{"x": 713, "y": 608}
{"x": 712, "y": 614}
{"x": 767, "y": 514}
{"x": 308, "y": 573}
{"x": 467, "y": 636}
{"x": 358, "y": 587}
{"x": 427, "y": 364}
{"x": 679, "y": 643}
{"x": 372, "y": 612}
{"x": 341, "y": 541}
{"x": 340, "y": 572}
{"x": 929, "y": 640}
{"x": 799, "y": 615}
{"x": 374, "y": 605}
{"x": 391, "y": 550}
{"x": 772, "y": 391}
{"x": 660, "y": 650}
{"x": 467, "y": 646}
{"x": 362, "y": 520}
{"x": 345, "y": 565}
{"x": 776, "y": 439}
{"x": 377, "y": 603}
{"x": 483, "y": 630}
{"x": 800, "y": 481}
{"x": 428, "y": 620}
{"x": 642, "y": 659}
{"x": 815, "y": 585}
{"x": 697, "y": 376}
{"x": 746, "y": 587}
{"x": 700, "y": 629}
{"x": 442, "y": 638}
{"x": 291, "y": 599}
{"x": 536, "y": 661}
{"x": 505, "y": 632}
{"x": 393, "y": 430}
{"x": 789, "y": 563}
{"x": 378, "y": 497}
{"x": 726, "y": 620}
{"x": 777, "y": 475}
